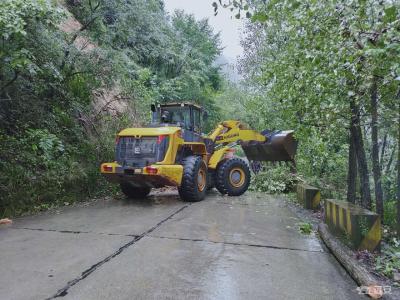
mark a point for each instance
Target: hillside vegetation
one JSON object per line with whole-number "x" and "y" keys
{"x": 73, "y": 73}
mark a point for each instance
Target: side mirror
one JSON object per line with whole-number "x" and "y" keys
{"x": 153, "y": 108}
{"x": 205, "y": 115}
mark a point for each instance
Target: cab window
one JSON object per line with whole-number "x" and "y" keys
{"x": 176, "y": 115}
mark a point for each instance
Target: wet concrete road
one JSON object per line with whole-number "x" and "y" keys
{"x": 246, "y": 247}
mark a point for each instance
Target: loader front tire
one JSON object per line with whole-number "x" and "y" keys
{"x": 134, "y": 192}
{"x": 194, "y": 179}
{"x": 232, "y": 177}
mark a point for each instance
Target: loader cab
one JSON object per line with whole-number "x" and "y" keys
{"x": 185, "y": 115}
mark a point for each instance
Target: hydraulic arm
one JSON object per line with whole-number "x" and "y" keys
{"x": 234, "y": 131}
{"x": 265, "y": 146}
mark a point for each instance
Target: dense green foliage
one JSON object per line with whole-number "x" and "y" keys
{"x": 66, "y": 87}
{"x": 273, "y": 179}
{"x": 315, "y": 67}
{"x": 331, "y": 71}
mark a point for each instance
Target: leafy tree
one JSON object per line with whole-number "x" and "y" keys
{"x": 330, "y": 70}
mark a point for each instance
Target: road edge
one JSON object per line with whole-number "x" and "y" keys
{"x": 358, "y": 272}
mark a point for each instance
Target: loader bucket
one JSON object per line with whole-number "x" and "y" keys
{"x": 280, "y": 146}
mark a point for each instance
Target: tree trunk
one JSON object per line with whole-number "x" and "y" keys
{"x": 361, "y": 156}
{"x": 352, "y": 171}
{"x": 398, "y": 172}
{"x": 389, "y": 164}
{"x": 345, "y": 256}
{"x": 383, "y": 150}
{"x": 376, "y": 169}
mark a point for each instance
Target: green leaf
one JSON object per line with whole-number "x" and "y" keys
{"x": 390, "y": 14}
{"x": 259, "y": 17}
{"x": 375, "y": 52}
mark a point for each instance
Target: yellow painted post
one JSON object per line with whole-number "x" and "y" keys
{"x": 348, "y": 221}
{"x": 341, "y": 218}
{"x": 334, "y": 214}
{"x": 363, "y": 227}
{"x": 308, "y": 196}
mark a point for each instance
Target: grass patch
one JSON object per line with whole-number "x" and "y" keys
{"x": 305, "y": 228}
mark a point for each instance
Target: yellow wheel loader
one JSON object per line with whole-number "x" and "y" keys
{"x": 172, "y": 151}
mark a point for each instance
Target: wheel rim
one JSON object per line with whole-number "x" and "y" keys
{"x": 236, "y": 177}
{"x": 201, "y": 180}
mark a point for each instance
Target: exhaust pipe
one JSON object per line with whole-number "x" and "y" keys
{"x": 279, "y": 146}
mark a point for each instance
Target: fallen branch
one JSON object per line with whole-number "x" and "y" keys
{"x": 360, "y": 274}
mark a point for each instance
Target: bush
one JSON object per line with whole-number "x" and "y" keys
{"x": 273, "y": 180}
{"x": 38, "y": 171}
{"x": 390, "y": 210}
{"x": 389, "y": 261}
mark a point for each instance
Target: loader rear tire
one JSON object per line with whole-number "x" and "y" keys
{"x": 194, "y": 179}
{"x": 232, "y": 177}
{"x": 134, "y": 192}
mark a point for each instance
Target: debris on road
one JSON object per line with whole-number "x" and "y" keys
{"x": 5, "y": 221}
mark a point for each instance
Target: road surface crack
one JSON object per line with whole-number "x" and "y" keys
{"x": 73, "y": 231}
{"x": 64, "y": 291}
{"x": 241, "y": 204}
{"x": 237, "y": 244}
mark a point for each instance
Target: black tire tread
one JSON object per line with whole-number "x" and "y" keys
{"x": 188, "y": 189}
{"x": 222, "y": 183}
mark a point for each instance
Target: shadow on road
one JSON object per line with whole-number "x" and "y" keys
{"x": 155, "y": 198}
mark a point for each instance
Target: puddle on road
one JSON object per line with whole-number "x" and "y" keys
{"x": 217, "y": 280}
{"x": 225, "y": 286}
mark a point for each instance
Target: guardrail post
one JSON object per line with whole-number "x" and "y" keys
{"x": 361, "y": 226}
{"x": 308, "y": 196}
